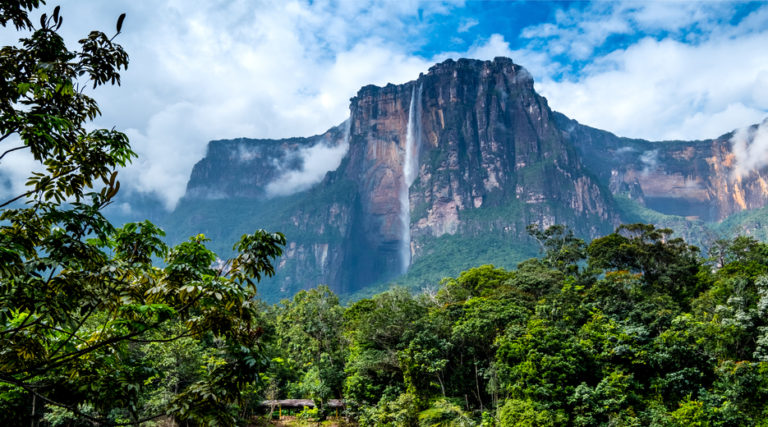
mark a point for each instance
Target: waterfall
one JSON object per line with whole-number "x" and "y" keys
{"x": 410, "y": 171}
{"x": 347, "y": 128}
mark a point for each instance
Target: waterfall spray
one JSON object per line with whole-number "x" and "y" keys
{"x": 410, "y": 171}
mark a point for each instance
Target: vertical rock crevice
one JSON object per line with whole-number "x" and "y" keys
{"x": 467, "y": 153}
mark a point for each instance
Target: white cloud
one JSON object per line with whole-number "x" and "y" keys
{"x": 205, "y": 70}
{"x": 674, "y": 15}
{"x": 213, "y": 70}
{"x": 317, "y": 160}
{"x": 537, "y": 63}
{"x": 750, "y": 147}
{"x": 669, "y": 90}
{"x": 578, "y": 32}
{"x": 15, "y": 168}
{"x": 650, "y": 159}
{"x": 284, "y": 69}
{"x": 693, "y": 77}
{"x": 467, "y": 24}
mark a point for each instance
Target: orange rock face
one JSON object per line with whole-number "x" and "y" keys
{"x": 695, "y": 179}
{"x": 492, "y": 158}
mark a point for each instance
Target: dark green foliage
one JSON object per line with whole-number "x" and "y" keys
{"x": 561, "y": 249}
{"x": 377, "y": 330}
{"x": 634, "y": 329}
{"x": 309, "y": 347}
{"x": 667, "y": 264}
{"x": 90, "y": 330}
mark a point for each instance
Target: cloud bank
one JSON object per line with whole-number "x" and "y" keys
{"x": 750, "y": 147}
{"x": 205, "y": 70}
{"x": 316, "y": 160}
{"x": 690, "y": 74}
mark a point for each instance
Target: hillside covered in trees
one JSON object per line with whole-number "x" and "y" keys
{"x": 636, "y": 328}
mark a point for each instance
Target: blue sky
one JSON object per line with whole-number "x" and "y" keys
{"x": 203, "y": 70}
{"x": 575, "y": 33}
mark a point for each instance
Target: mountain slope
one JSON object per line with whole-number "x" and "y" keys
{"x": 696, "y": 179}
{"x": 445, "y": 172}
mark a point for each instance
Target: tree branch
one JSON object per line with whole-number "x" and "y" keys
{"x": 190, "y": 334}
{"x": 21, "y": 147}
{"x": 58, "y": 361}
{"x": 98, "y": 421}
{"x": 17, "y": 198}
{"x": 2, "y": 138}
{"x": 23, "y": 325}
{"x": 72, "y": 334}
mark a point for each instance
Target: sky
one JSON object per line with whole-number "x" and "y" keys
{"x": 218, "y": 69}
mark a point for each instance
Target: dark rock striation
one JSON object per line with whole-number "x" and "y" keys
{"x": 491, "y": 157}
{"x": 694, "y": 179}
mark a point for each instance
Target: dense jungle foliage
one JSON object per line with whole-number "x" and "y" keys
{"x": 92, "y": 331}
{"x": 636, "y": 328}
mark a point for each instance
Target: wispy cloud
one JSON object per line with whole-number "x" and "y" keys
{"x": 316, "y": 161}
{"x": 578, "y": 33}
{"x": 750, "y": 147}
{"x": 467, "y": 24}
{"x": 205, "y": 70}
{"x": 692, "y": 74}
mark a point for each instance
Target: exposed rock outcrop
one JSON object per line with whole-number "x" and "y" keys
{"x": 492, "y": 158}
{"x": 695, "y": 179}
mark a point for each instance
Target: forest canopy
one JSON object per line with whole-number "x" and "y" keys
{"x": 635, "y": 328}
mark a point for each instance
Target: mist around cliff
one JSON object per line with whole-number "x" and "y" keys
{"x": 316, "y": 161}
{"x": 750, "y": 147}
{"x": 650, "y": 160}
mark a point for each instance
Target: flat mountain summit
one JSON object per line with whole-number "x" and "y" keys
{"x": 445, "y": 172}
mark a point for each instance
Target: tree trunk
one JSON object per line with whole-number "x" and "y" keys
{"x": 477, "y": 387}
{"x": 34, "y": 418}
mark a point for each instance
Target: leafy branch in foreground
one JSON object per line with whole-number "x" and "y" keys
{"x": 82, "y": 304}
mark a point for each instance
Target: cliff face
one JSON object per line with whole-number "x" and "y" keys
{"x": 489, "y": 141}
{"x": 694, "y": 179}
{"x": 481, "y": 139}
{"x": 378, "y": 134}
{"x": 440, "y": 167}
{"x": 251, "y": 168}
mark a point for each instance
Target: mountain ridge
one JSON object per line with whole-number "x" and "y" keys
{"x": 492, "y": 158}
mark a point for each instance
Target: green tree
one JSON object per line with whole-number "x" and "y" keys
{"x": 668, "y": 264}
{"x": 561, "y": 248}
{"x": 525, "y": 413}
{"x": 427, "y": 356}
{"x": 377, "y": 330}
{"x": 80, "y": 301}
{"x": 310, "y": 331}
{"x": 475, "y": 282}
{"x": 543, "y": 363}
{"x": 476, "y": 325}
